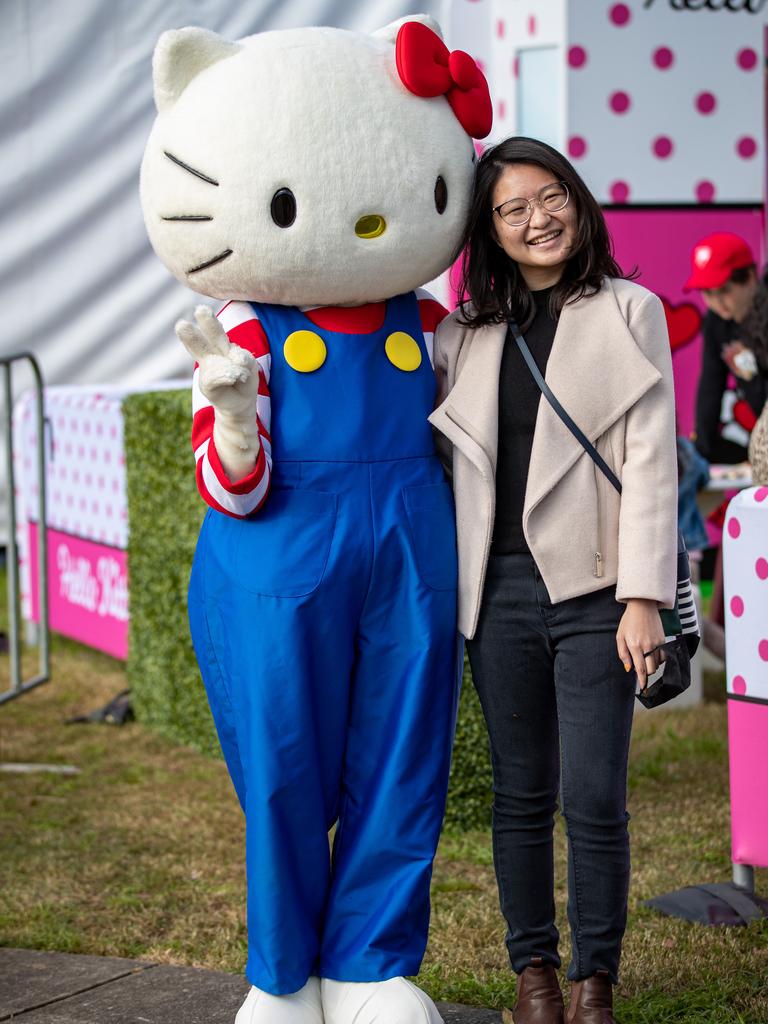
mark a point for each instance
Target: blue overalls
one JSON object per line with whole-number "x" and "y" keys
{"x": 325, "y": 630}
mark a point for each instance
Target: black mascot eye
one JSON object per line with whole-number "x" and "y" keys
{"x": 441, "y": 195}
{"x": 283, "y": 208}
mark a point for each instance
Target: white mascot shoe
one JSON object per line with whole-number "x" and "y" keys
{"x": 395, "y": 1001}
{"x": 302, "y": 1007}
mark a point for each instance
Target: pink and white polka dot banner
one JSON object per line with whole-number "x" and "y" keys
{"x": 745, "y": 554}
{"x": 666, "y": 105}
{"x": 745, "y": 575}
{"x": 86, "y": 464}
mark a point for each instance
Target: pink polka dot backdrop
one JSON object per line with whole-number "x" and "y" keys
{"x": 745, "y": 579}
{"x": 647, "y": 90}
{"x": 745, "y": 576}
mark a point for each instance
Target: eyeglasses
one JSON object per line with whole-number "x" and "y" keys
{"x": 517, "y": 212}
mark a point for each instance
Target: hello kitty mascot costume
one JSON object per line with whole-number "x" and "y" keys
{"x": 313, "y": 179}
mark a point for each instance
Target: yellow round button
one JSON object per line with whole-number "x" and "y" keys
{"x": 304, "y": 351}
{"x": 403, "y": 351}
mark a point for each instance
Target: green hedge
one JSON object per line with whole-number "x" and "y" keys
{"x": 164, "y": 512}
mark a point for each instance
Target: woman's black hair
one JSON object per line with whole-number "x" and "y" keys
{"x": 490, "y": 280}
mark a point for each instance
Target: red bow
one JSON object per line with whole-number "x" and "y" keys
{"x": 428, "y": 68}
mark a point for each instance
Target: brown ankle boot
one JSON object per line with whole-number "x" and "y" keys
{"x": 539, "y": 999}
{"x": 591, "y": 1001}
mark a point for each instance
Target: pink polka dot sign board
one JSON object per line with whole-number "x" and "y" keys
{"x": 745, "y": 576}
{"x": 87, "y": 512}
{"x": 669, "y": 99}
{"x": 657, "y": 101}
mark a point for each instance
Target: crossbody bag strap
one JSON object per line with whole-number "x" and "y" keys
{"x": 574, "y": 428}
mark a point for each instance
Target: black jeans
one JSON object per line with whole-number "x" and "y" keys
{"x": 554, "y": 693}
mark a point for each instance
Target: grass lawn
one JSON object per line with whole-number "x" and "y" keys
{"x": 141, "y": 855}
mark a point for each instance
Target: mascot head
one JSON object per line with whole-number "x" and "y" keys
{"x": 313, "y": 166}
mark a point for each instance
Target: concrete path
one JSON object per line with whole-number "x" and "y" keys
{"x": 62, "y": 988}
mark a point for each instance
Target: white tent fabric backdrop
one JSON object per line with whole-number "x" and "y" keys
{"x": 79, "y": 284}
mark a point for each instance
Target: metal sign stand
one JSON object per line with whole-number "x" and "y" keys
{"x": 17, "y": 684}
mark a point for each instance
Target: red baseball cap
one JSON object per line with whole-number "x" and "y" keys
{"x": 714, "y": 259}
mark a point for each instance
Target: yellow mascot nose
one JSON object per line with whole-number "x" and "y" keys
{"x": 370, "y": 226}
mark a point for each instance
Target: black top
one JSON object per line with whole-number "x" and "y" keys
{"x": 519, "y": 398}
{"x": 710, "y": 441}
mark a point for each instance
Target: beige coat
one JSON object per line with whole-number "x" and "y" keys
{"x": 611, "y": 368}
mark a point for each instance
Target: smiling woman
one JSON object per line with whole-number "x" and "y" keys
{"x": 560, "y": 579}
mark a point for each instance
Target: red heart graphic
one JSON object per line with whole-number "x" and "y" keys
{"x": 683, "y": 323}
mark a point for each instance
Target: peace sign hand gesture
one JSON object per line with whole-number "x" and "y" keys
{"x": 229, "y": 376}
{"x": 229, "y": 379}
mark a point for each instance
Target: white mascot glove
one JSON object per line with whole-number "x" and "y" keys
{"x": 229, "y": 379}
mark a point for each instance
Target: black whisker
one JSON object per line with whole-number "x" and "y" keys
{"x": 189, "y": 216}
{"x": 197, "y": 174}
{"x": 210, "y": 263}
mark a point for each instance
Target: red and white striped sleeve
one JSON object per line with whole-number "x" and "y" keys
{"x": 238, "y": 498}
{"x": 431, "y": 312}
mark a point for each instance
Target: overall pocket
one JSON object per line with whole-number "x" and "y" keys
{"x": 432, "y": 526}
{"x": 283, "y": 550}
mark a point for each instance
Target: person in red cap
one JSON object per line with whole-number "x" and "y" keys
{"x": 725, "y": 272}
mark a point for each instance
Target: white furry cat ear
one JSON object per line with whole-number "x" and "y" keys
{"x": 389, "y": 32}
{"x": 180, "y": 55}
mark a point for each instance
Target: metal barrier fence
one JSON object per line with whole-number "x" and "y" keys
{"x": 17, "y": 684}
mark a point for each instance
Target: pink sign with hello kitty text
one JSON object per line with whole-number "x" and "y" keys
{"x": 87, "y": 591}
